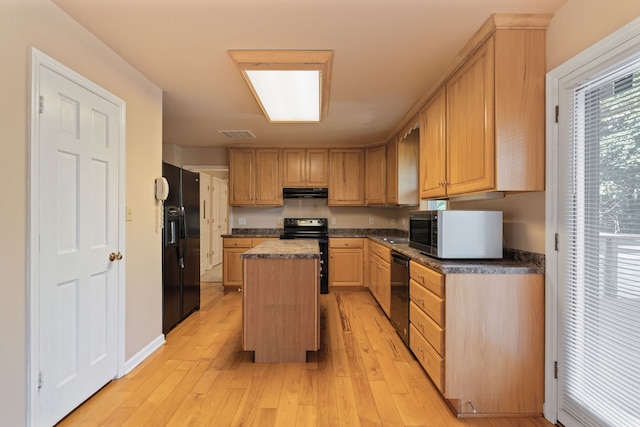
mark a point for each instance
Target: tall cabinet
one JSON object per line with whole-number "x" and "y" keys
{"x": 346, "y": 177}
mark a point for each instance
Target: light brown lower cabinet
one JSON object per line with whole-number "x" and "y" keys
{"x": 480, "y": 338}
{"x": 346, "y": 261}
{"x": 232, "y": 248}
{"x": 379, "y": 265}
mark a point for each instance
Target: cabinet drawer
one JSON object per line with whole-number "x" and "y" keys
{"x": 427, "y": 301}
{"x": 346, "y": 243}
{"x": 428, "y": 357}
{"x": 380, "y": 250}
{"x": 427, "y": 327}
{"x": 428, "y": 278}
{"x": 236, "y": 242}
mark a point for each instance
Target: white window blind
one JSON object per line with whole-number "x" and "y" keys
{"x": 599, "y": 275}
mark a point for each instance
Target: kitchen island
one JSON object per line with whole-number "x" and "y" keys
{"x": 280, "y": 300}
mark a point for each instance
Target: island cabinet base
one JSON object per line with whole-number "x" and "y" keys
{"x": 281, "y": 313}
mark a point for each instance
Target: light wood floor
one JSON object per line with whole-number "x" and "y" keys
{"x": 363, "y": 376}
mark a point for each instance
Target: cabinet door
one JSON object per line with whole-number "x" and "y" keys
{"x": 346, "y": 181}
{"x": 241, "y": 177}
{"x": 232, "y": 266}
{"x": 268, "y": 188}
{"x": 317, "y": 167}
{"x": 470, "y": 124}
{"x": 376, "y": 177}
{"x": 432, "y": 148}
{"x": 345, "y": 267}
{"x": 293, "y": 167}
{"x": 392, "y": 172}
{"x": 384, "y": 287}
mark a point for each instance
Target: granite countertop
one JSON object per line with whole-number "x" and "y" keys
{"x": 275, "y": 249}
{"x": 515, "y": 262}
{"x": 255, "y": 232}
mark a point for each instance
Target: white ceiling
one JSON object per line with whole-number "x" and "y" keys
{"x": 387, "y": 54}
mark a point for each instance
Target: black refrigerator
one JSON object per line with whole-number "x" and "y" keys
{"x": 180, "y": 246}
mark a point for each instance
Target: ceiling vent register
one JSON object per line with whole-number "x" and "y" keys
{"x": 237, "y": 134}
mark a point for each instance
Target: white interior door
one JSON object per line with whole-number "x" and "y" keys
{"x": 205, "y": 219}
{"x": 220, "y": 205}
{"x": 216, "y": 245}
{"x": 79, "y": 244}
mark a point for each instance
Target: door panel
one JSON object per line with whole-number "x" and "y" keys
{"x": 78, "y": 298}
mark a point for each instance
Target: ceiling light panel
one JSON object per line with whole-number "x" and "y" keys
{"x": 289, "y": 86}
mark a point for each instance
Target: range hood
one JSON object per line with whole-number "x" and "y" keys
{"x": 306, "y": 193}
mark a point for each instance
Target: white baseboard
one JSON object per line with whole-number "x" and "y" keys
{"x": 140, "y": 356}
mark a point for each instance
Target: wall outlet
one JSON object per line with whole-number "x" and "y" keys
{"x": 371, "y": 220}
{"x": 404, "y": 221}
{"x": 393, "y": 221}
{"x": 279, "y": 221}
{"x": 242, "y": 221}
{"x": 333, "y": 221}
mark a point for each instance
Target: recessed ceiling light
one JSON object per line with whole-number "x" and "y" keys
{"x": 289, "y": 86}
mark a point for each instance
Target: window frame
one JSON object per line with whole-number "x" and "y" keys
{"x": 610, "y": 50}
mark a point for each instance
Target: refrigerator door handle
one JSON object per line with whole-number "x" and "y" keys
{"x": 180, "y": 252}
{"x": 184, "y": 222}
{"x": 183, "y": 239}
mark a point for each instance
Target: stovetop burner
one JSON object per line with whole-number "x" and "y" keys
{"x": 305, "y": 227}
{"x": 312, "y": 228}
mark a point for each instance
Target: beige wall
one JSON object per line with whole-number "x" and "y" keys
{"x": 39, "y": 23}
{"x": 581, "y": 23}
{"x": 25, "y": 23}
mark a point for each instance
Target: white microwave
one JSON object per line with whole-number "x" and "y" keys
{"x": 453, "y": 234}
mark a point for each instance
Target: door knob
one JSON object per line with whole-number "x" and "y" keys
{"x": 115, "y": 256}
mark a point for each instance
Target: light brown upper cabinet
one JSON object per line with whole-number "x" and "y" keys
{"x": 305, "y": 167}
{"x": 346, "y": 177}
{"x": 254, "y": 177}
{"x": 375, "y": 175}
{"x": 433, "y": 148}
{"x": 402, "y": 167}
{"x": 483, "y": 130}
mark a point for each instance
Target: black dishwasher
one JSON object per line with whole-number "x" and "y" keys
{"x": 400, "y": 295}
